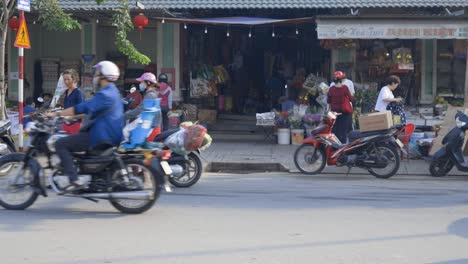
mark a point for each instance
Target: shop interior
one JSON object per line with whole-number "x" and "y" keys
{"x": 250, "y": 69}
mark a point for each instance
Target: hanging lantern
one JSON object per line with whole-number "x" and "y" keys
{"x": 14, "y": 23}
{"x": 140, "y": 21}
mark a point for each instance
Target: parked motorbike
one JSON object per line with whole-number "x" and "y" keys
{"x": 130, "y": 179}
{"x": 187, "y": 170}
{"x": 376, "y": 151}
{"x": 450, "y": 154}
{"x": 7, "y": 145}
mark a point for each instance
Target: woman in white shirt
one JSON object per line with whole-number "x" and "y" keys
{"x": 386, "y": 94}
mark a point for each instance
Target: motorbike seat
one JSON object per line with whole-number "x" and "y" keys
{"x": 165, "y": 135}
{"x": 353, "y": 135}
{"x": 101, "y": 150}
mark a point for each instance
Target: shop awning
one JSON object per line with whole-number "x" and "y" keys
{"x": 249, "y": 21}
{"x": 391, "y": 29}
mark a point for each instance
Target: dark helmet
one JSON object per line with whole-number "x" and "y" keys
{"x": 162, "y": 78}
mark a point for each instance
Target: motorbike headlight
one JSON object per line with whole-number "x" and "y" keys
{"x": 460, "y": 124}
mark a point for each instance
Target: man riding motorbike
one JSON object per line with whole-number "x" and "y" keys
{"x": 105, "y": 122}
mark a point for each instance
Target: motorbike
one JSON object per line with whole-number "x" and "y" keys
{"x": 450, "y": 154}
{"x": 131, "y": 180}
{"x": 375, "y": 151}
{"x": 7, "y": 144}
{"x": 187, "y": 169}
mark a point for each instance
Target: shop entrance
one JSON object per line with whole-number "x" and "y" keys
{"x": 251, "y": 70}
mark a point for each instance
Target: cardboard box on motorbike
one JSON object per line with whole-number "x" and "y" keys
{"x": 376, "y": 121}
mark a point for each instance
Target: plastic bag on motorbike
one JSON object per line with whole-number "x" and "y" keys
{"x": 176, "y": 142}
{"x": 194, "y": 136}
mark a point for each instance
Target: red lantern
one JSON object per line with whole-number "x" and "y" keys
{"x": 14, "y": 23}
{"x": 140, "y": 21}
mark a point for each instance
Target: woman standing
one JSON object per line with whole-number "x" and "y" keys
{"x": 72, "y": 96}
{"x": 340, "y": 100}
{"x": 386, "y": 94}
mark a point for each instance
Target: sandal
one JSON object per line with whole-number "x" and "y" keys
{"x": 72, "y": 188}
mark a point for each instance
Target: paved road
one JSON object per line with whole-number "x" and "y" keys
{"x": 257, "y": 218}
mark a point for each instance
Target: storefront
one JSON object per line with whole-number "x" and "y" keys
{"x": 246, "y": 65}
{"x": 428, "y": 54}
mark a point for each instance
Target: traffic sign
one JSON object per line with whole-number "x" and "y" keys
{"x": 22, "y": 37}
{"x": 24, "y": 5}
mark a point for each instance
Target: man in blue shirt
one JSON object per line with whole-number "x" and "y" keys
{"x": 105, "y": 110}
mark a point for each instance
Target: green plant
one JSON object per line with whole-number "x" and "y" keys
{"x": 296, "y": 123}
{"x": 123, "y": 22}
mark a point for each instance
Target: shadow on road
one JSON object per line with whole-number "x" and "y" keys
{"x": 459, "y": 228}
{"x": 456, "y": 261}
{"x": 12, "y": 221}
{"x": 227, "y": 251}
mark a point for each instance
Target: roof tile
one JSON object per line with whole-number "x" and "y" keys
{"x": 236, "y": 4}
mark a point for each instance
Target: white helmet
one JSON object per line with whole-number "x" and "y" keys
{"x": 108, "y": 70}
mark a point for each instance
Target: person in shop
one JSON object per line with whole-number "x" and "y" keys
{"x": 387, "y": 101}
{"x": 165, "y": 93}
{"x": 28, "y": 109}
{"x": 348, "y": 83}
{"x": 274, "y": 87}
{"x": 72, "y": 96}
{"x": 340, "y": 98}
{"x": 147, "y": 85}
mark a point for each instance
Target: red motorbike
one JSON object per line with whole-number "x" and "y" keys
{"x": 375, "y": 151}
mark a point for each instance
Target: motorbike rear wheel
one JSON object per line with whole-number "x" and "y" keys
{"x": 193, "y": 170}
{"x": 310, "y": 160}
{"x": 16, "y": 190}
{"x": 440, "y": 168}
{"x": 146, "y": 175}
{"x": 393, "y": 157}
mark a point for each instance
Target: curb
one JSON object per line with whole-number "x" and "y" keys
{"x": 278, "y": 167}
{"x": 244, "y": 167}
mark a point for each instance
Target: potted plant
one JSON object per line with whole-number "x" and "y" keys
{"x": 297, "y": 130}
{"x": 282, "y": 123}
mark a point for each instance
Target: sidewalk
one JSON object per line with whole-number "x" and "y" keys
{"x": 263, "y": 156}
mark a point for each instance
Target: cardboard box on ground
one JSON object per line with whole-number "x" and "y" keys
{"x": 375, "y": 121}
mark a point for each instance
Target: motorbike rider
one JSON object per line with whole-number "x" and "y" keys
{"x": 105, "y": 112}
{"x": 165, "y": 93}
{"x": 147, "y": 85}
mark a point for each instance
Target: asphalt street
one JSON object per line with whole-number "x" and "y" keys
{"x": 254, "y": 218}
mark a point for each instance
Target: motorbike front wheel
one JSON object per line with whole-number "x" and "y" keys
{"x": 142, "y": 178}
{"x": 193, "y": 170}
{"x": 440, "y": 168}
{"x": 16, "y": 180}
{"x": 393, "y": 162}
{"x": 310, "y": 160}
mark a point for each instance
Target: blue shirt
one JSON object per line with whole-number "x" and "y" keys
{"x": 27, "y": 110}
{"x": 76, "y": 97}
{"x": 108, "y": 128}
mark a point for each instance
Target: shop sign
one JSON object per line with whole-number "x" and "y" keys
{"x": 364, "y": 29}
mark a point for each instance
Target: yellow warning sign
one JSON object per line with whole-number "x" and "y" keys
{"x": 22, "y": 37}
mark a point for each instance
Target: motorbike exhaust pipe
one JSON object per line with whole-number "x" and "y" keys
{"x": 177, "y": 171}
{"x": 137, "y": 195}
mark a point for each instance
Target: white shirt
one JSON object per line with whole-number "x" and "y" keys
{"x": 348, "y": 83}
{"x": 385, "y": 93}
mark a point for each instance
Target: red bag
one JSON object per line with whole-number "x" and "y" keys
{"x": 194, "y": 136}
{"x": 347, "y": 108}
